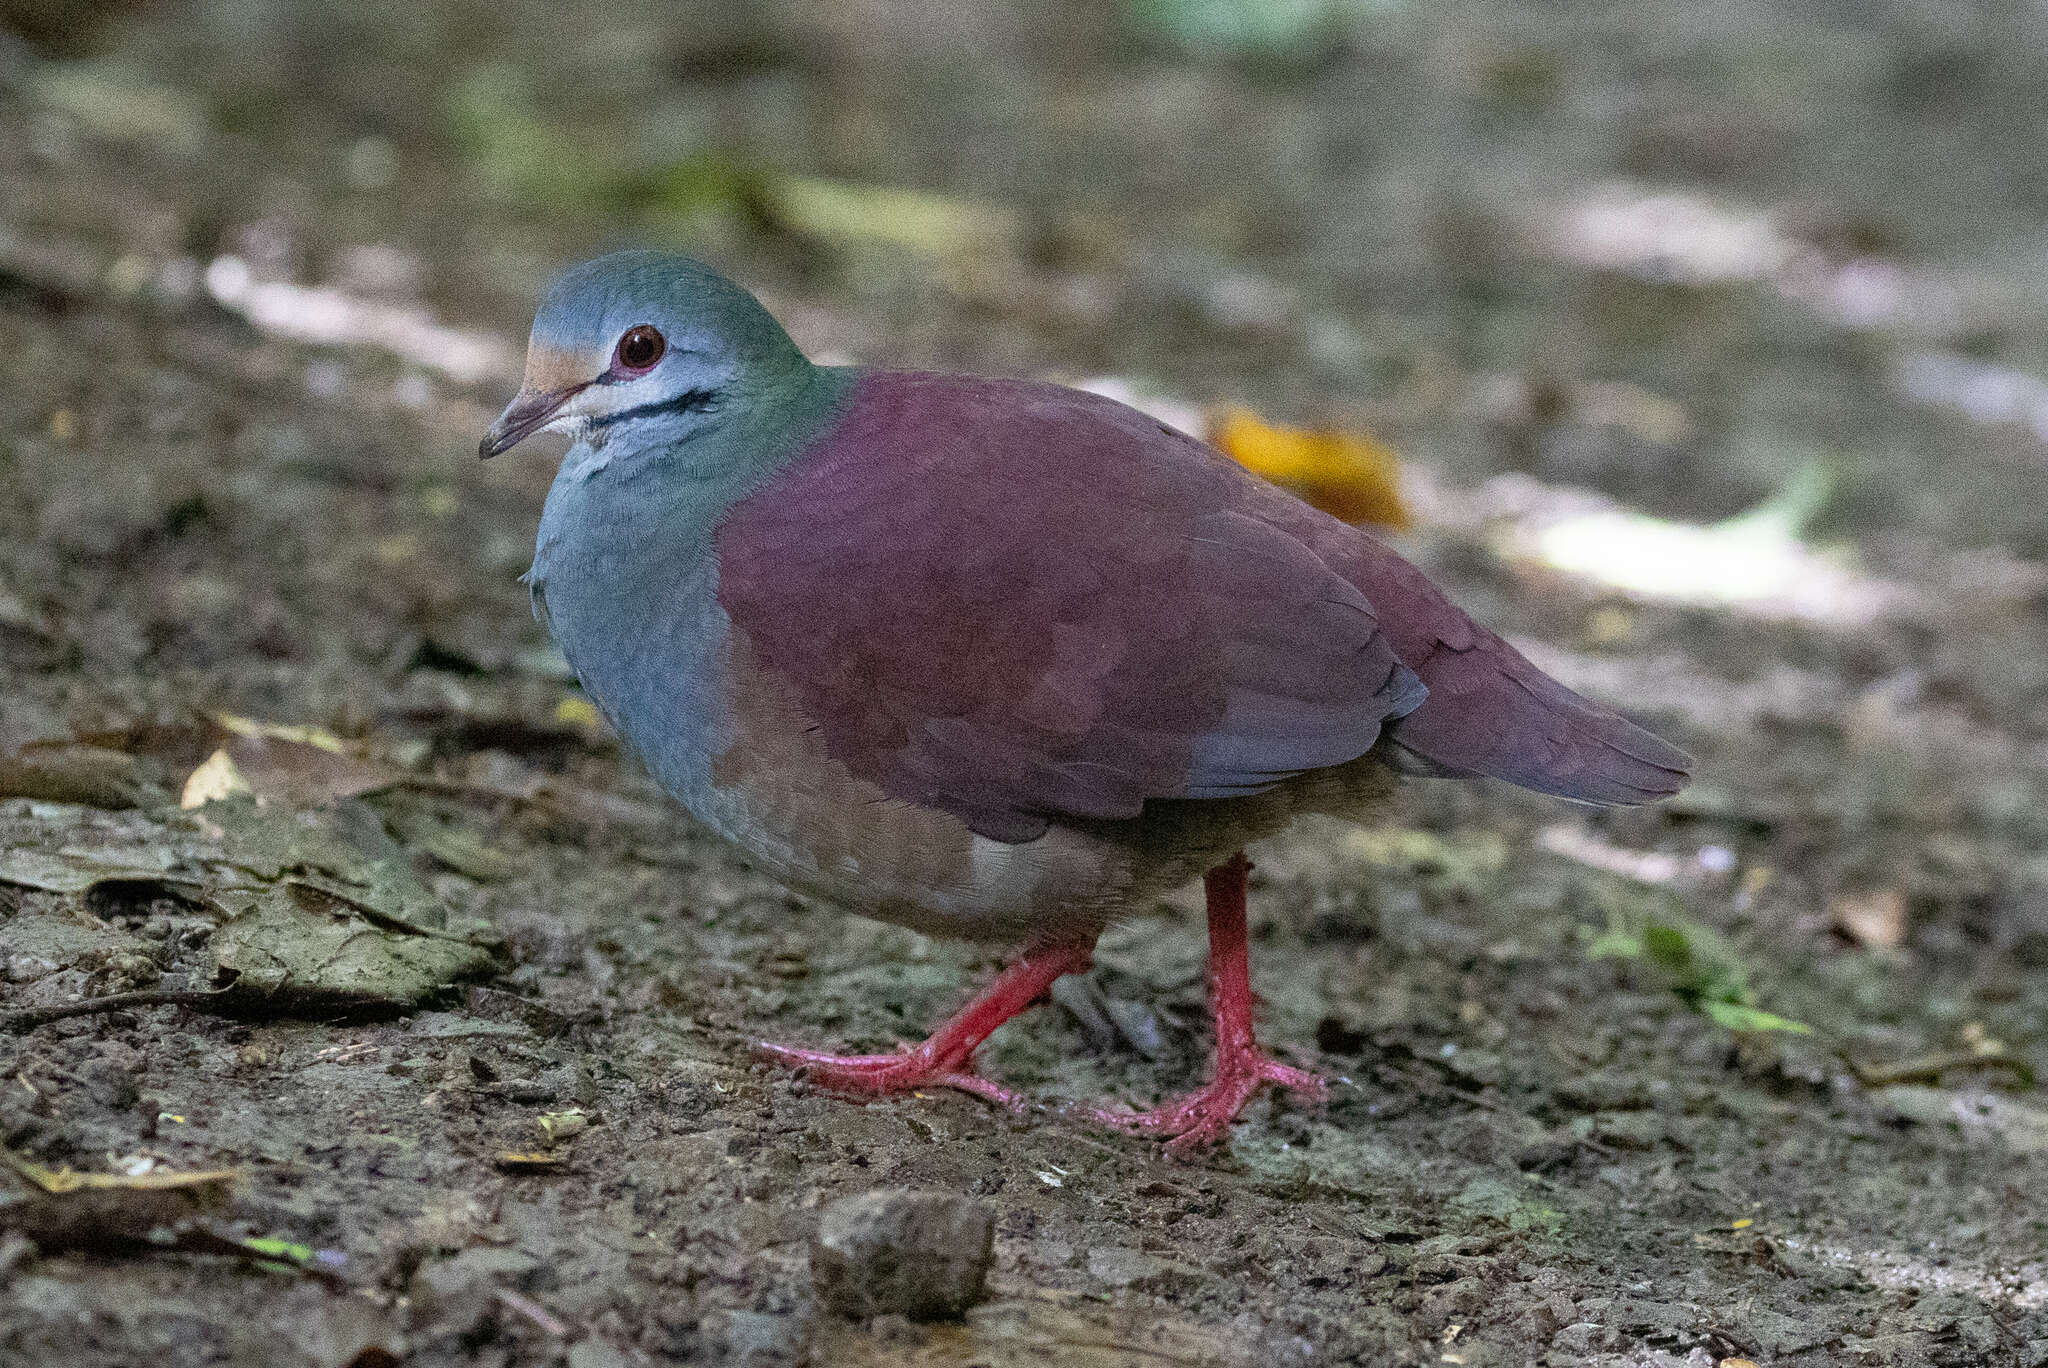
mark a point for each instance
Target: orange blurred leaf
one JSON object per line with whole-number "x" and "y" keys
{"x": 1349, "y": 475}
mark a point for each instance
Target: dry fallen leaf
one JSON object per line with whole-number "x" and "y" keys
{"x": 517, "y": 1161}
{"x": 557, "y": 1127}
{"x": 577, "y": 712}
{"x": 1349, "y": 475}
{"x": 61, "y": 1209}
{"x": 305, "y": 774}
{"x": 62, "y": 1181}
{"x": 298, "y": 766}
{"x": 281, "y": 731}
{"x": 215, "y": 779}
{"x": 1874, "y": 918}
{"x": 67, "y": 772}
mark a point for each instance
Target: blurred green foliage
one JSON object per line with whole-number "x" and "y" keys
{"x": 1258, "y": 29}
{"x": 1699, "y": 963}
{"x": 521, "y": 156}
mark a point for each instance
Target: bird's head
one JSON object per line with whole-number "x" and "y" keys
{"x": 647, "y": 344}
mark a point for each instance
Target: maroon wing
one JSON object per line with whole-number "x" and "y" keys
{"x": 1490, "y": 711}
{"x": 1021, "y": 603}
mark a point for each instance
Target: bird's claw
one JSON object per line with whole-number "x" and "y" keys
{"x": 1203, "y": 1118}
{"x": 906, "y": 1070}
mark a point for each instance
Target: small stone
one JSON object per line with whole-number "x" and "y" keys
{"x": 1629, "y": 1130}
{"x": 595, "y": 1353}
{"x": 111, "y": 1083}
{"x": 1483, "y": 1068}
{"x": 16, "y": 1249}
{"x": 897, "y": 1329}
{"x": 1604, "y": 1091}
{"x": 457, "y": 1294}
{"x": 1119, "y": 1266}
{"x": 1916, "y": 1105}
{"x": 924, "y": 1255}
{"x": 757, "y": 1339}
{"x": 1583, "y": 1338}
{"x": 1547, "y": 1153}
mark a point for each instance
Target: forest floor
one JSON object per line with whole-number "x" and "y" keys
{"x": 479, "y": 1077}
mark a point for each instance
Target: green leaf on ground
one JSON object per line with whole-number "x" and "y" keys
{"x": 1700, "y": 964}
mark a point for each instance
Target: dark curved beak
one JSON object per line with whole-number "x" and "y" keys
{"x": 527, "y": 413}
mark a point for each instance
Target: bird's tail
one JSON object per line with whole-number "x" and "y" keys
{"x": 1490, "y": 711}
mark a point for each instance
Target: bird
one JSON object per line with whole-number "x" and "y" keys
{"x": 992, "y": 658}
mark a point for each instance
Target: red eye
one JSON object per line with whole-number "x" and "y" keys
{"x": 640, "y": 348}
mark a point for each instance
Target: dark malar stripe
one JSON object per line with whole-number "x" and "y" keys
{"x": 689, "y": 401}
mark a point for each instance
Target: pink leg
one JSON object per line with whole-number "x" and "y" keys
{"x": 946, "y": 1059}
{"x": 1204, "y": 1117}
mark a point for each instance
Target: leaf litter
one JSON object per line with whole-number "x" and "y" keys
{"x": 309, "y": 908}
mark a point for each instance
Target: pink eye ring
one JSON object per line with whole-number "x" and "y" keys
{"x": 640, "y": 348}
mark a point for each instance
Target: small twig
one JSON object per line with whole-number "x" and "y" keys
{"x": 1588, "y": 1142}
{"x": 1732, "y": 1340}
{"x": 1929, "y": 1068}
{"x": 535, "y": 1312}
{"x": 587, "y": 807}
{"x": 28, "y": 1018}
{"x": 1439, "y": 1088}
{"x": 1077, "y": 1137}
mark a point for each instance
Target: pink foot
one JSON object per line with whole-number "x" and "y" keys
{"x": 1204, "y": 1117}
{"x": 947, "y": 1059}
{"x": 879, "y": 1075}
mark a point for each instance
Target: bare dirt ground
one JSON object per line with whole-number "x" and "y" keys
{"x": 461, "y": 927}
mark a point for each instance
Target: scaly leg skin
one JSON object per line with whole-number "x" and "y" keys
{"x": 1203, "y": 1118}
{"x": 946, "y": 1060}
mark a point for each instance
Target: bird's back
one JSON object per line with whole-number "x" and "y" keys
{"x": 1026, "y": 604}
